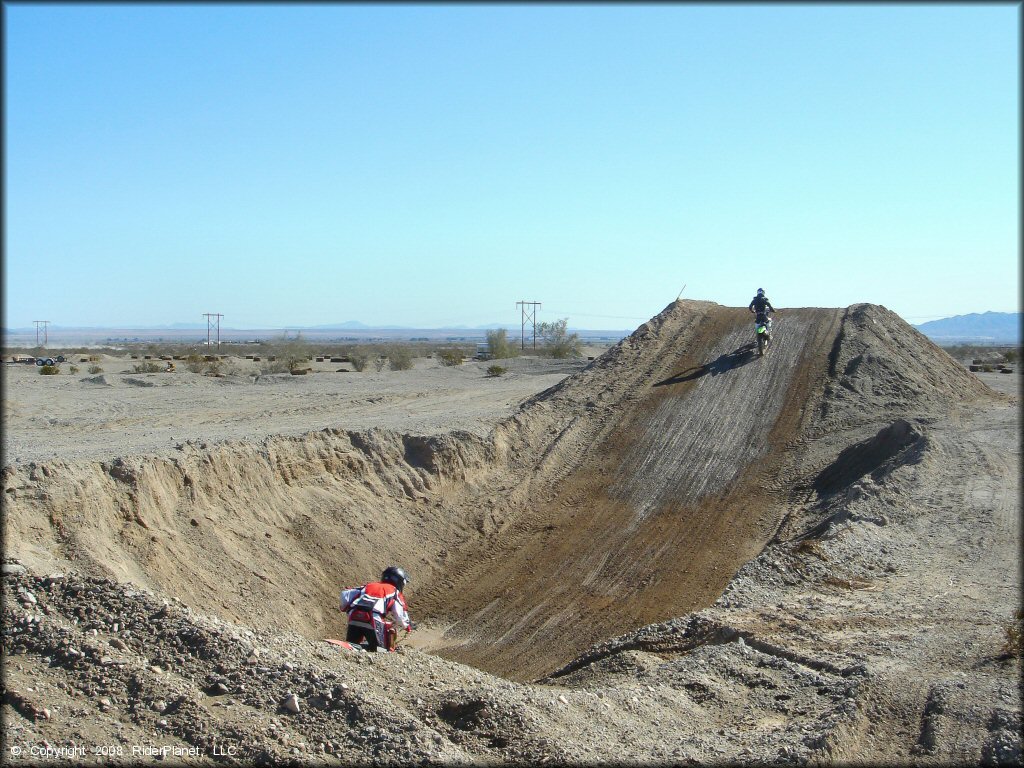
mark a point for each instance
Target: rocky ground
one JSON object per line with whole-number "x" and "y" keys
{"x": 175, "y": 605}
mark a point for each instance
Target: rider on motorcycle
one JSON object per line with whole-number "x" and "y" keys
{"x": 368, "y": 607}
{"x": 761, "y": 307}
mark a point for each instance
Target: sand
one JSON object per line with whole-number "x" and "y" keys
{"x": 675, "y": 552}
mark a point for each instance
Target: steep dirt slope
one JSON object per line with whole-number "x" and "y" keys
{"x": 675, "y": 493}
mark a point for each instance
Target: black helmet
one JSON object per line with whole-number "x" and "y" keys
{"x": 760, "y": 291}
{"x": 396, "y": 577}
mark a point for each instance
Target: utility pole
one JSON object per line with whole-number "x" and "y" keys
{"x": 42, "y": 323}
{"x": 531, "y": 315}
{"x": 211, "y": 324}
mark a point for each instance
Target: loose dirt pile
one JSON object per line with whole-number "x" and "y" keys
{"x": 695, "y": 554}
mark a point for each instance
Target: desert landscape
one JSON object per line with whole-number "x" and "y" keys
{"x": 673, "y": 552}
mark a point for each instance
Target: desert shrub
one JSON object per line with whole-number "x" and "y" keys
{"x": 290, "y": 354}
{"x": 213, "y": 367}
{"x": 1011, "y": 355}
{"x": 451, "y": 357}
{"x": 1013, "y": 644}
{"x": 49, "y": 370}
{"x": 499, "y": 346}
{"x": 195, "y": 363}
{"x": 149, "y": 367}
{"x": 95, "y": 369}
{"x": 278, "y": 367}
{"x": 400, "y": 359}
{"x": 496, "y": 370}
{"x": 359, "y": 359}
{"x": 558, "y": 342}
{"x": 380, "y": 362}
{"x": 73, "y": 369}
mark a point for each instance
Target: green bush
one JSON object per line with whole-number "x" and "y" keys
{"x": 499, "y": 346}
{"x": 451, "y": 357}
{"x": 95, "y": 369}
{"x": 558, "y": 342}
{"x": 73, "y": 369}
{"x": 496, "y": 370}
{"x": 49, "y": 370}
{"x": 147, "y": 368}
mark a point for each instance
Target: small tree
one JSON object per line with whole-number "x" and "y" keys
{"x": 499, "y": 346}
{"x": 558, "y": 342}
{"x": 359, "y": 359}
{"x": 400, "y": 358}
{"x": 293, "y": 353}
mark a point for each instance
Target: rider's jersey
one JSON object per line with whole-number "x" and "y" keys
{"x": 760, "y": 303}
{"x": 383, "y": 597}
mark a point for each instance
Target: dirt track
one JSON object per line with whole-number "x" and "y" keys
{"x": 661, "y": 511}
{"x": 824, "y": 502}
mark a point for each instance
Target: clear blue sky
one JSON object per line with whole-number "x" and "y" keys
{"x": 432, "y": 165}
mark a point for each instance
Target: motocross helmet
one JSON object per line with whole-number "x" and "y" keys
{"x": 760, "y": 291}
{"x": 395, "y": 576}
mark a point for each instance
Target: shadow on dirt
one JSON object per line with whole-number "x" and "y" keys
{"x": 723, "y": 363}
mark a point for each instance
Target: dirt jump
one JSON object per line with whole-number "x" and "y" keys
{"x": 806, "y": 556}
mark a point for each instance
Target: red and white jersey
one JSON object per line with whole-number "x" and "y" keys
{"x": 377, "y": 597}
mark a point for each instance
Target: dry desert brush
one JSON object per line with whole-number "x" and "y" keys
{"x": 451, "y": 357}
{"x": 558, "y": 342}
{"x": 400, "y": 358}
{"x": 499, "y": 346}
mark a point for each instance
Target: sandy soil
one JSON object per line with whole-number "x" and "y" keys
{"x": 120, "y": 413}
{"x": 678, "y": 553}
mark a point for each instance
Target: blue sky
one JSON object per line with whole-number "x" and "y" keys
{"x": 432, "y": 165}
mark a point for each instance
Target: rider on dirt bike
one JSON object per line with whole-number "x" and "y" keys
{"x": 368, "y": 607}
{"x": 761, "y": 307}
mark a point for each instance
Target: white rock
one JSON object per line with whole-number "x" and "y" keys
{"x": 291, "y": 703}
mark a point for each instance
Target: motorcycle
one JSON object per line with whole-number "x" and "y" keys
{"x": 763, "y": 327}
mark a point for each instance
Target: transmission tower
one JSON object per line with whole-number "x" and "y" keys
{"x": 42, "y": 323}
{"x": 212, "y": 324}
{"x": 531, "y": 316}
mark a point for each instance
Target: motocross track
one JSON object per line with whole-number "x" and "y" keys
{"x": 656, "y": 512}
{"x": 694, "y": 554}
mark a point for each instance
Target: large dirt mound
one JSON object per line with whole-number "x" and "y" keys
{"x": 665, "y": 466}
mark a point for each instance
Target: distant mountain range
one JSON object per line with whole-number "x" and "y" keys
{"x": 987, "y": 327}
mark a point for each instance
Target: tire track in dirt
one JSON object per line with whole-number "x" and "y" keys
{"x": 677, "y": 494}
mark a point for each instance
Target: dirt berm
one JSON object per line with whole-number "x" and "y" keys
{"x": 695, "y": 553}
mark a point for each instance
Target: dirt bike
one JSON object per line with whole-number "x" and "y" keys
{"x": 763, "y": 332}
